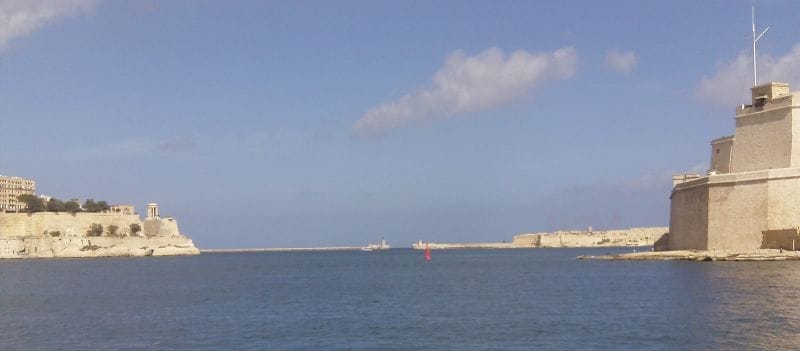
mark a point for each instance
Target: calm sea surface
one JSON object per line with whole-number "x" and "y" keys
{"x": 461, "y": 300}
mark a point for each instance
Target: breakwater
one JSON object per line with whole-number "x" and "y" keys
{"x": 447, "y": 246}
{"x": 285, "y": 249}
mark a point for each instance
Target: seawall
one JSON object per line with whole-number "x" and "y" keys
{"x": 447, "y": 246}
{"x": 285, "y": 249}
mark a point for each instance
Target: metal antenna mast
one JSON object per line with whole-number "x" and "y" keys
{"x": 755, "y": 39}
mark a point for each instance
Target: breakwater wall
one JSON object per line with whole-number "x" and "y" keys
{"x": 447, "y": 246}
{"x": 285, "y": 249}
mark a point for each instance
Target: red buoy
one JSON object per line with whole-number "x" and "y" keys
{"x": 427, "y": 252}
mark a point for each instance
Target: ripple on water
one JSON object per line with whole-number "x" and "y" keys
{"x": 470, "y": 299}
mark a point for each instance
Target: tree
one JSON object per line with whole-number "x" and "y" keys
{"x": 72, "y": 206}
{"x": 99, "y": 206}
{"x": 135, "y": 229}
{"x": 112, "y": 230}
{"x": 95, "y": 230}
{"x": 32, "y": 203}
{"x": 90, "y": 206}
{"x": 102, "y": 206}
{"x": 56, "y": 205}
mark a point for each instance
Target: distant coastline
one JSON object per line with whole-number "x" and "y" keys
{"x": 644, "y": 236}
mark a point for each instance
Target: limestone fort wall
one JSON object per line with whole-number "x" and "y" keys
{"x": 645, "y": 236}
{"x": 689, "y": 216}
{"x": 732, "y": 211}
{"x": 25, "y": 235}
{"x": 23, "y": 224}
{"x": 763, "y": 138}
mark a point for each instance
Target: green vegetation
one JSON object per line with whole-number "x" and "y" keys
{"x": 55, "y": 233}
{"x": 135, "y": 229}
{"x": 35, "y": 204}
{"x": 72, "y": 206}
{"x": 56, "y": 205}
{"x": 95, "y": 230}
{"x": 32, "y": 203}
{"x": 112, "y": 230}
{"x": 91, "y": 206}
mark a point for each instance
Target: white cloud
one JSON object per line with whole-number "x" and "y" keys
{"x": 730, "y": 86}
{"x": 21, "y": 17}
{"x": 471, "y": 83}
{"x": 622, "y": 62}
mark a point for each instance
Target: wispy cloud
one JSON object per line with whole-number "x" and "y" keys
{"x": 730, "y": 85}
{"x": 471, "y": 83}
{"x": 21, "y": 17}
{"x": 622, "y": 62}
{"x": 132, "y": 148}
{"x": 181, "y": 144}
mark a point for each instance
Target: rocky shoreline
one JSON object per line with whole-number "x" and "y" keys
{"x": 700, "y": 255}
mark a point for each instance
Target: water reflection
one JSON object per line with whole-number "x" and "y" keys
{"x": 466, "y": 300}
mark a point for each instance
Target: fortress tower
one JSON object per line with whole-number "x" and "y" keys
{"x": 750, "y": 198}
{"x": 152, "y": 211}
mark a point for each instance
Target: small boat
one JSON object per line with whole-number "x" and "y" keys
{"x": 372, "y": 247}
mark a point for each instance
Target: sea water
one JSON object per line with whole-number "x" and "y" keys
{"x": 395, "y": 300}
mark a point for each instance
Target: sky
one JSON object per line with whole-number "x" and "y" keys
{"x": 318, "y": 123}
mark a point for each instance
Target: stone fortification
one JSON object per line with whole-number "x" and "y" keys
{"x": 749, "y": 198}
{"x": 575, "y": 238}
{"x": 609, "y": 238}
{"x": 37, "y": 235}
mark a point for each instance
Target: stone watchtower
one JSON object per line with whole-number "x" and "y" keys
{"x": 753, "y": 186}
{"x": 154, "y": 225}
{"x": 152, "y": 211}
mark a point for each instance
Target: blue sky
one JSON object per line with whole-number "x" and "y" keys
{"x": 298, "y": 123}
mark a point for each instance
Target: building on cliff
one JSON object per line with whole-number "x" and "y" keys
{"x": 750, "y": 198}
{"x": 10, "y": 188}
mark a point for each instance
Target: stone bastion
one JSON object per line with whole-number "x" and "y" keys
{"x": 42, "y": 235}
